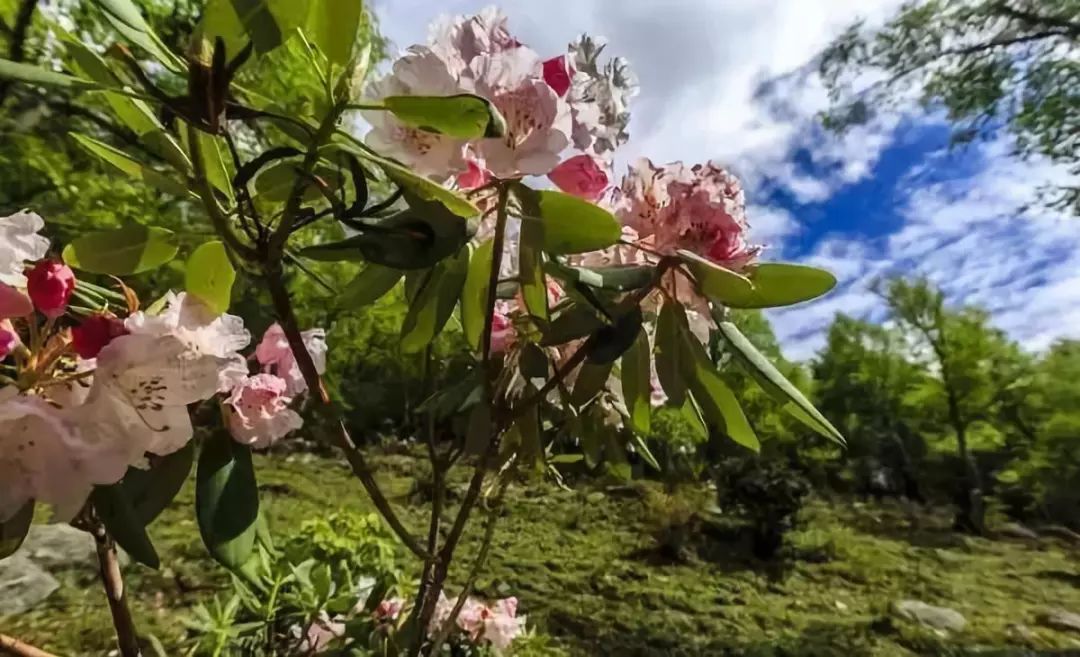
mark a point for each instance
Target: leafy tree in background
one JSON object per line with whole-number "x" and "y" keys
{"x": 989, "y": 63}
{"x": 863, "y": 379}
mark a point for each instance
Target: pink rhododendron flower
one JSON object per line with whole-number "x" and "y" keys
{"x": 20, "y": 243}
{"x": 581, "y": 175}
{"x": 701, "y": 209}
{"x": 388, "y": 610}
{"x": 459, "y": 40}
{"x": 44, "y": 457}
{"x": 498, "y": 624}
{"x": 96, "y": 331}
{"x": 538, "y": 122}
{"x": 474, "y": 176}
{"x": 321, "y": 633}
{"x": 202, "y": 331}
{"x": 9, "y": 339}
{"x": 420, "y": 72}
{"x": 13, "y": 303}
{"x": 558, "y": 74}
{"x": 275, "y": 355}
{"x": 503, "y": 334}
{"x": 260, "y": 411}
{"x": 49, "y": 285}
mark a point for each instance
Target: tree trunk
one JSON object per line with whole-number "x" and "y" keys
{"x": 972, "y": 514}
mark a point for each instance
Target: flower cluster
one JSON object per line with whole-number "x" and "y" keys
{"x": 548, "y": 106}
{"x": 85, "y": 394}
{"x": 496, "y": 624}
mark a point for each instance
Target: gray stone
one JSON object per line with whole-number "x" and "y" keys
{"x": 1016, "y": 530}
{"x": 23, "y": 585}
{"x": 62, "y": 546}
{"x": 1059, "y": 619}
{"x": 938, "y": 618}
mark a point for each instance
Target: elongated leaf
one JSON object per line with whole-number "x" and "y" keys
{"x": 591, "y": 379}
{"x": 775, "y": 383}
{"x": 270, "y": 23}
{"x": 768, "y": 285}
{"x": 572, "y": 323}
{"x": 610, "y": 342}
{"x": 129, "y": 250}
{"x": 210, "y": 276}
{"x": 637, "y": 385}
{"x": 131, "y": 167}
{"x": 151, "y": 491}
{"x": 619, "y": 278}
{"x": 217, "y": 172}
{"x": 227, "y": 500}
{"x": 332, "y": 26}
{"x": 531, "y": 270}
{"x": 463, "y": 116}
{"x": 32, "y": 74}
{"x": 126, "y": 19}
{"x": 669, "y": 352}
{"x": 434, "y": 303}
{"x": 135, "y": 114}
{"x": 531, "y": 448}
{"x": 404, "y": 177}
{"x": 571, "y": 224}
{"x": 642, "y": 448}
{"x": 13, "y": 530}
{"x": 117, "y": 513}
{"x": 717, "y": 401}
{"x": 474, "y": 294}
{"x": 370, "y": 285}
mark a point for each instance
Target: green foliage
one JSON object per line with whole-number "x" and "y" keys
{"x": 988, "y": 63}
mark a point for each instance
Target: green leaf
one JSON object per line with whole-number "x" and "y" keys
{"x": 129, "y": 250}
{"x": 332, "y": 26}
{"x": 610, "y": 342}
{"x": 33, "y": 74}
{"x": 151, "y": 491}
{"x": 464, "y": 116}
{"x": 718, "y": 403}
{"x": 479, "y": 432}
{"x": 572, "y": 323}
{"x": 776, "y": 384}
{"x": 370, "y": 285}
{"x": 13, "y": 530}
{"x": 434, "y": 303}
{"x": 669, "y": 352}
{"x": 531, "y": 448}
{"x": 129, "y": 22}
{"x": 591, "y": 379}
{"x": 637, "y": 385}
{"x": 210, "y": 276}
{"x": 571, "y": 224}
{"x": 531, "y": 270}
{"x": 270, "y": 23}
{"x": 227, "y": 500}
{"x": 217, "y": 172}
{"x": 474, "y": 294}
{"x": 135, "y": 114}
{"x": 642, "y": 448}
{"x": 131, "y": 167}
{"x": 406, "y": 179}
{"x": 620, "y": 278}
{"x": 117, "y": 513}
{"x": 416, "y": 238}
{"x": 768, "y": 285}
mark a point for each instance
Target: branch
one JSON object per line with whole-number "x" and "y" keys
{"x": 113, "y": 581}
{"x": 19, "y": 32}
{"x": 287, "y": 317}
{"x": 11, "y": 646}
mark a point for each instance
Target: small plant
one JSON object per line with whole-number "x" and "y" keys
{"x": 769, "y": 494}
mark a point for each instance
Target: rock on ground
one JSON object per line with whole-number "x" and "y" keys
{"x": 1059, "y": 619}
{"x": 938, "y": 618}
{"x": 61, "y": 546}
{"x": 23, "y": 584}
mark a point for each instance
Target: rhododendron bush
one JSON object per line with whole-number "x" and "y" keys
{"x": 476, "y": 173}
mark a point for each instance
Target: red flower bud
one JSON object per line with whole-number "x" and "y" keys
{"x": 50, "y": 285}
{"x": 581, "y": 175}
{"x": 96, "y": 331}
{"x": 9, "y": 339}
{"x": 557, "y": 74}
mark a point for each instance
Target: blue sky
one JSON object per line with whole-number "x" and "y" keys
{"x": 733, "y": 81}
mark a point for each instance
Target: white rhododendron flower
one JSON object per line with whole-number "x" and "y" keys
{"x": 45, "y": 457}
{"x": 276, "y": 356}
{"x": 259, "y": 411}
{"x": 202, "y": 332}
{"x": 19, "y": 243}
{"x": 420, "y": 72}
{"x": 460, "y": 39}
{"x": 599, "y": 97}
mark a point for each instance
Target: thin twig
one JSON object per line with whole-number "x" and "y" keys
{"x": 9, "y": 645}
{"x": 111, "y": 578}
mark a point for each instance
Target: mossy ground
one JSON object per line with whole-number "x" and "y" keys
{"x": 589, "y": 574}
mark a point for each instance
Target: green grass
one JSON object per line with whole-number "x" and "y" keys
{"x": 589, "y": 575}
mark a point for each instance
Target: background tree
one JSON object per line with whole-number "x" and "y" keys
{"x": 988, "y": 63}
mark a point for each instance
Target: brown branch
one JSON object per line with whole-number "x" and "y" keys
{"x": 9, "y": 645}
{"x": 287, "y": 317}
{"x": 109, "y": 564}
{"x": 19, "y": 32}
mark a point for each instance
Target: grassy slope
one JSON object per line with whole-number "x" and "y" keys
{"x": 587, "y": 573}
